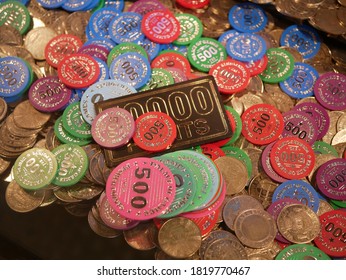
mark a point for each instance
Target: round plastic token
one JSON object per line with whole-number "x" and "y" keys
{"x": 191, "y": 29}
{"x": 99, "y": 21}
{"x": 141, "y": 188}
{"x": 72, "y": 164}
{"x": 301, "y": 125}
{"x": 15, "y": 14}
{"x": 185, "y": 185}
{"x": 330, "y": 91}
{"x": 318, "y": 113}
{"x": 51, "y": 4}
{"x": 126, "y": 27}
{"x": 155, "y": 132}
{"x": 298, "y": 190}
{"x": 301, "y": 83}
{"x": 104, "y": 71}
{"x": 145, "y": 6}
{"x": 246, "y": 47}
{"x": 14, "y": 76}
{"x": 49, "y": 94}
{"x": 131, "y": 68}
{"x": 301, "y": 252}
{"x": 123, "y": 48}
{"x": 262, "y": 124}
{"x": 161, "y": 26}
{"x": 100, "y": 91}
{"x": 35, "y": 169}
{"x": 331, "y": 238}
{"x": 113, "y": 128}
{"x": 292, "y": 158}
{"x": 101, "y": 41}
{"x": 238, "y": 153}
{"x": 303, "y": 38}
{"x": 152, "y": 49}
{"x": 159, "y": 78}
{"x": 76, "y": 5}
{"x": 193, "y": 4}
{"x": 280, "y": 66}
{"x": 247, "y": 17}
{"x": 65, "y": 137}
{"x": 74, "y": 123}
{"x": 231, "y": 76}
{"x": 171, "y": 59}
{"x": 212, "y": 151}
{"x": 117, "y": 5}
{"x": 60, "y": 46}
{"x": 78, "y": 70}
{"x": 223, "y": 39}
{"x": 258, "y": 66}
{"x": 331, "y": 179}
{"x": 267, "y": 167}
{"x": 321, "y": 147}
{"x": 95, "y": 51}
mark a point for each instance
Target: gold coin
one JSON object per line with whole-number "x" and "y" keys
{"x": 22, "y": 201}
{"x": 49, "y": 198}
{"x": 326, "y": 19}
{"x": 295, "y": 53}
{"x": 179, "y": 237}
{"x": 234, "y": 173}
{"x": 100, "y": 228}
{"x": 26, "y": 116}
{"x": 236, "y": 205}
{"x": 4, "y": 165}
{"x": 298, "y": 223}
{"x": 63, "y": 195}
{"x": 324, "y": 207}
{"x": 267, "y": 253}
{"x": 78, "y": 209}
{"x": 254, "y": 154}
{"x": 10, "y": 36}
{"x": 332, "y": 130}
{"x": 339, "y": 137}
{"x": 140, "y": 237}
{"x": 225, "y": 249}
{"x": 85, "y": 192}
{"x": 37, "y": 39}
{"x": 255, "y": 228}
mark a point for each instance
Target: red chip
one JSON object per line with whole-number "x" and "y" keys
{"x": 155, "y": 131}
{"x": 78, "y": 70}
{"x": 231, "y": 76}
{"x": 172, "y": 60}
{"x": 60, "y": 46}
{"x": 212, "y": 151}
{"x": 193, "y": 4}
{"x": 161, "y": 26}
{"x": 258, "y": 66}
{"x": 292, "y": 158}
{"x": 332, "y": 237}
{"x": 262, "y": 124}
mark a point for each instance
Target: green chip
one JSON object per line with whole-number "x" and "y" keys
{"x": 35, "y": 169}
{"x": 204, "y": 53}
{"x": 74, "y": 123}
{"x": 238, "y": 153}
{"x": 65, "y": 137}
{"x": 191, "y": 28}
{"x": 280, "y": 66}
{"x": 100, "y": 5}
{"x": 302, "y": 252}
{"x": 337, "y": 204}
{"x": 159, "y": 78}
{"x": 238, "y": 125}
{"x": 15, "y": 14}
{"x": 124, "y": 48}
{"x": 72, "y": 164}
{"x": 321, "y": 147}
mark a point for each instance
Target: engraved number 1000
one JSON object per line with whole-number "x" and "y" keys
{"x": 140, "y": 187}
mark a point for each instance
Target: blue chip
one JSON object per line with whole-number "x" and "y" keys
{"x": 14, "y": 76}
{"x": 51, "y": 4}
{"x": 247, "y": 17}
{"x": 301, "y": 83}
{"x": 131, "y": 68}
{"x": 93, "y": 4}
{"x": 74, "y": 98}
{"x": 104, "y": 71}
{"x": 100, "y": 41}
{"x": 246, "y": 47}
{"x": 303, "y": 38}
{"x": 118, "y": 5}
{"x": 100, "y": 20}
{"x": 76, "y": 5}
{"x": 150, "y": 47}
{"x": 299, "y": 190}
{"x": 126, "y": 27}
{"x": 88, "y": 33}
{"x": 102, "y": 90}
{"x": 223, "y": 39}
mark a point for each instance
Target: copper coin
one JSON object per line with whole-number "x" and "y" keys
{"x": 139, "y": 237}
{"x": 225, "y": 249}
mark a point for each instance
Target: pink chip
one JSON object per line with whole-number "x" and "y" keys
{"x": 161, "y": 26}
{"x": 113, "y": 128}
{"x": 140, "y": 188}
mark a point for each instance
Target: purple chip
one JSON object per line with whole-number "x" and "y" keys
{"x": 267, "y": 166}
{"x": 143, "y": 7}
{"x": 96, "y": 51}
{"x": 49, "y": 94}
{"x": 331, "y": 179}
{"x": 330, "y": 91}
{"x": 301, "y": 125}
{"x": 318, "y": 113}
{"x": 275, "y": 208}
